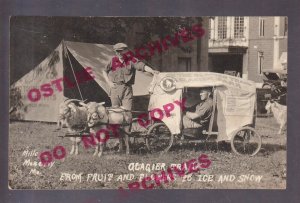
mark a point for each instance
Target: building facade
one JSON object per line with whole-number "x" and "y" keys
{"x": 191, "y": 56}
{"x": 247, "y": 46}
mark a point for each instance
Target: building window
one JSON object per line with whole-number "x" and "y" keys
{"x": 261, "y": 27}
{"x": 239, "y": 27}
{"x": 222, "y": 27}
{"x": 260, "y": 60}
{"x": 184, "y": 64}
{"x": 285, "y": 26}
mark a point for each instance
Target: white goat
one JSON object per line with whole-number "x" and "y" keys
{"x": 100, "y": 117}
{"x": 74, "y": 118}
{"x": 279, "y": 112}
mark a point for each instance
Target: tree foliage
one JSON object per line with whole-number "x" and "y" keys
{"x": 34, "y": 38}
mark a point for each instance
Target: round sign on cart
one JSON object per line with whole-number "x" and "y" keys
{"x": 168, "y": 84}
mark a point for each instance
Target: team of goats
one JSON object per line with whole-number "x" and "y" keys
{"x": 78, "y": 116}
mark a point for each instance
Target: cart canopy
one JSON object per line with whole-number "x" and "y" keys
{"x": 236, "y": 98}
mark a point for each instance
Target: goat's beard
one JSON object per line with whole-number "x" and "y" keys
{"x": 61, "y": 116}
{"x": 102, "y": 119}
{"x": 62, "y": 123}
{"x": 92, "y": 123}
{"x": 64, "y": 115}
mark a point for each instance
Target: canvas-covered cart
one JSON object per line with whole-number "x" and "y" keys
{"x": 233, "y": 116}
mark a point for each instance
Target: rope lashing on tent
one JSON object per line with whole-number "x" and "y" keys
{"x": 66, "y": 50}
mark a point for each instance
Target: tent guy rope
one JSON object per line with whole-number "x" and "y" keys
{"x": 66, "y": 50}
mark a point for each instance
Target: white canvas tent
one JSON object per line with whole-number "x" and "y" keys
{"x": 66, "y": 60}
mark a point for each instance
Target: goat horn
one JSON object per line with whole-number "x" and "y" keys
{"x": 83, "y": 104}
{"x": 71, "y": 100}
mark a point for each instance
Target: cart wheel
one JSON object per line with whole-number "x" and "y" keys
{"x": 159, "y": 138}
{"x": 246, "y": 141}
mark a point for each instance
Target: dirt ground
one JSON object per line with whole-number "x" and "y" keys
{"x": 266, "y": 170}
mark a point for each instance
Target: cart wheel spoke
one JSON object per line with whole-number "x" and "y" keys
{"x": 246, "y": 142}
{"x": 159, "y": 138}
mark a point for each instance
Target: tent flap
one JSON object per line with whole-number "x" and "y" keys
{"x": 37, "y": 95}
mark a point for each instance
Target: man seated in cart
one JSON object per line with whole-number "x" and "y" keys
{"x": 201, "y": 117}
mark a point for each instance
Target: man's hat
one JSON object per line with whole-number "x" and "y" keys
{"x": 205, "y": 89}
{"x": 120, "y": 47}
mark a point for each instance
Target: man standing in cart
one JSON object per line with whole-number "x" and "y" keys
{"x": 120, "y": 75}
{"x": 200, "y": 118}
